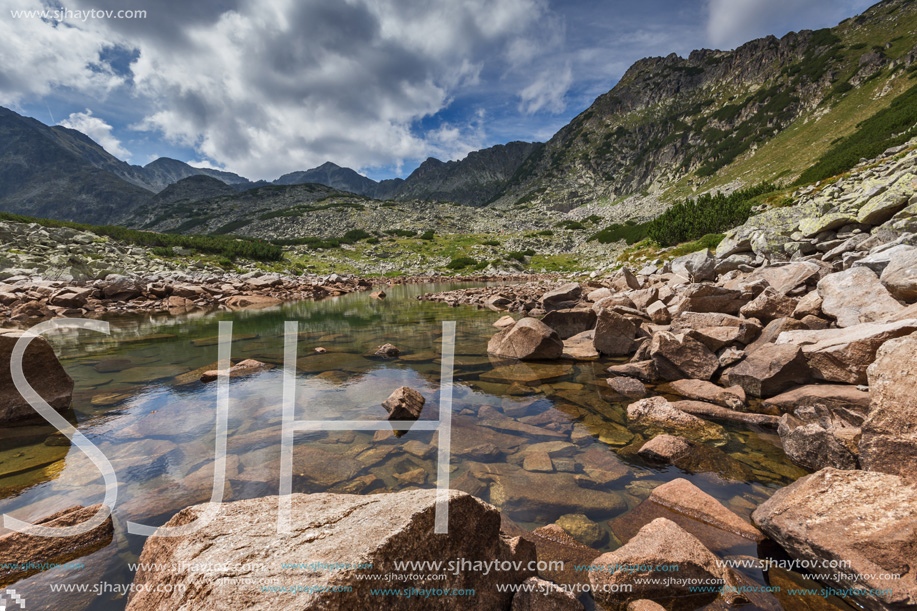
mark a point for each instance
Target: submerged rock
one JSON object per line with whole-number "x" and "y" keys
{"x": 657, "y": 414}
{"x": 631, "y": 388}
{"x": 246, "y": 367}
{"x": 665, "y": 448}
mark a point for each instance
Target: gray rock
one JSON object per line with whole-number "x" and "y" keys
{"x": 856, "y": 296}
{"x": 697, "y": 267}
{"x": 900, "y": 275}
{"x": 877, "y": 262}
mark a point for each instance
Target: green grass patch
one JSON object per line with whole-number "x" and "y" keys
{"x": 630, "y": 231}
{"x": 889, "y": 127}
{"x": 709, "y": 241}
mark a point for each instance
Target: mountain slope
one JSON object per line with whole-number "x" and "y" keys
{"x": 684, "y": 124}
{"x": 473, "y": 181}
{"x": 165, "y": 171}
{"x": 60, "y": 173}
{"x": 331, "y": 175}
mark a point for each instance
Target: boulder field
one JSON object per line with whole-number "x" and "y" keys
{"x": 821, "y": 347}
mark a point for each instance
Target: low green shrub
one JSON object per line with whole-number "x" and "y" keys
{"x": 692, "y": 219}
{"x": 461, "y": 263}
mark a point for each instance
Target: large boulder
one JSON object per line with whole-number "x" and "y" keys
{"x": 843, "y": 400}
{"x": 889, "y": 442}
{"x": 865, "y": 519}
{"x": 656, "y": 414}
{"x": 42, "y": 371}
{"x": 697, "y": 267}
{"x": 842, "y": 355}
{"x": 900, "y": 276}
{"x": 528, "y": 339}
{"x": 880, "y": 259}
{"x": 70, "y": 297}
{"x": 770, "y": 304}
{"x": 785, "y": 278}
{"x": 374, "y": 531}
{"x": 884, "y": 205}
{"x": 614, "y": 334}
{"x": 700, "y": 390}
{"x": 562, "y": 297}
{"x": 120, "y": 288}
{"x": 679, "y": 356}
{"x": 712, "y": 298}
{"x": 769, "y": 370}
{"x": 856, "y": 296}
{"x": 713, "y": 325}
{"x": 648, "y": 558}
{"x": 22, "y": 555}
{"x": 814, "y": 438}
{"x": 568, "y": 323}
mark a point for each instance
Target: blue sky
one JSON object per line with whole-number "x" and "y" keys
{"x": 265, "y": 88}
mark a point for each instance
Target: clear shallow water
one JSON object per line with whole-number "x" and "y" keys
{"x": 134, "y": 400}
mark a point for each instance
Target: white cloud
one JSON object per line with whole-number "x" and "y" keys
{"x": 547, "y": 91}
{"x": 98, "y": 130}
{"x": 733, "y": 22}
{"x": 274, "y": 88}
{"x": 41, "y": 55}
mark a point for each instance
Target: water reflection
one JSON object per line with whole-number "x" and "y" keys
{"x": 541, "y": 441}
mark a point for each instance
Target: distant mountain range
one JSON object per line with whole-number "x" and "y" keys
{"x": 672, "y": 126}
{"x": 61, "y": 173}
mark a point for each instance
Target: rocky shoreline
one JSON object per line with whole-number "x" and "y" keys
{"x": 29, "y": 299}
{"x": 822, "y": 348}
